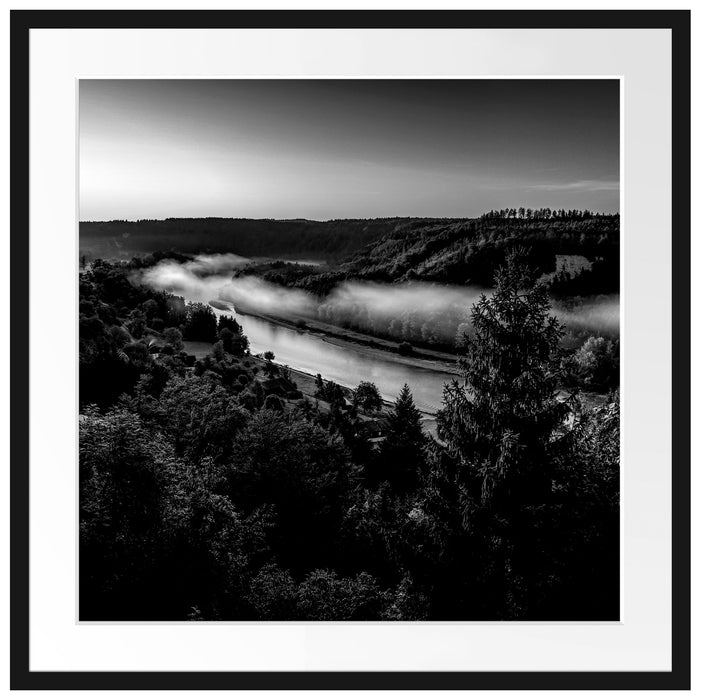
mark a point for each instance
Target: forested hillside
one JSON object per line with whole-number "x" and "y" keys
{"x": 469, "y": 252}
{"x": 324, "y": 240}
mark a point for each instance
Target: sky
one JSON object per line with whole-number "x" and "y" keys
{"x": 331, "y": 149}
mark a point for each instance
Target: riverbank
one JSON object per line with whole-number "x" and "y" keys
{"x": 306, "y": 383}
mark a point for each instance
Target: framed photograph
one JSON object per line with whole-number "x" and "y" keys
{"x": 350, "y": 349}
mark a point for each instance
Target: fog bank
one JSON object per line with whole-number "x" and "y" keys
{"x": 417, "y": 312}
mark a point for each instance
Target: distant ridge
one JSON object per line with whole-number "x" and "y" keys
{"x": 325, "y": 240}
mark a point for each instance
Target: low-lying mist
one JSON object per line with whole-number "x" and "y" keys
{"x": 416, "y": 312}
{"x": 593, "y": 315}
{"x": 202, "y": 265}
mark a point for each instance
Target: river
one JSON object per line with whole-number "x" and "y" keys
{"x": 347, "y": 365}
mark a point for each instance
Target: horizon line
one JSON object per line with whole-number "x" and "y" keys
{"x": 323, "y": 221}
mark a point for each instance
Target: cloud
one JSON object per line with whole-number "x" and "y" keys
{"x": 578, "y": 186}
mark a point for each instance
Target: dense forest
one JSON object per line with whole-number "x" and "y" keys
{"x": 321, "y": 240}
{"x": 468, "y": 252}
{"x": 212, "y": 489}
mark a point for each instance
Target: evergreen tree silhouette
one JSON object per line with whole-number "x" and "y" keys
{"x": 500, "y": 424}
{"x": 403, "y": 450}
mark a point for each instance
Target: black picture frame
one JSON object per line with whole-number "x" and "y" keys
{"x": 22, "y": 678}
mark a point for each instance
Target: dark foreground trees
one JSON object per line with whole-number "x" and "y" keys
{"x": 509, "y": 459}
{"x": 203, "y": 498}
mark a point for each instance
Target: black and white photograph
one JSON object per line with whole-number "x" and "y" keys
{"x": 349, "y": 349}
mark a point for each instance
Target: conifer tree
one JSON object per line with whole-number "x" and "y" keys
{"x": 486, "y": 505}
{"x": 403, "y": 450}
{"x": 499, "y": 425}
